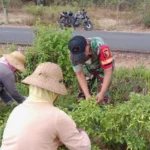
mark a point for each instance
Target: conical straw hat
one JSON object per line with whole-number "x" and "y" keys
{"x": 17, "y": 60}
{"x": 47, "y": 76}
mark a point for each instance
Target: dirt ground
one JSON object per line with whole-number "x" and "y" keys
{"x": 131, "y": 60}
{"x": 122, "y": 59}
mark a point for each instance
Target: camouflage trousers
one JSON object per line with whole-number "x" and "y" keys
{"x": 94, "y": 81}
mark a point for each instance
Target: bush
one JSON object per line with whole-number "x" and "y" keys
{"x": 46, "y": 14}
{"x": 125, "y": 126}
{"x": 126, "y": 81}
{"x": 30, "y": 21}
{"x": 128, "y": 123}
{"x": 51, "y": 45}
{"x": 35, "y": 10}
{"x": 87, "y": 116}
{"x": 15, "y": 4}
{"x": 146, "y": 19}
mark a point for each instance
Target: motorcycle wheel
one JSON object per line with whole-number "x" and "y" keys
{"x": 88, "y": 26}
{"x": 62, "y": 23}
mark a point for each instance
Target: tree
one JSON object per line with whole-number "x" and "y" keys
{"x": 5, "y": 7}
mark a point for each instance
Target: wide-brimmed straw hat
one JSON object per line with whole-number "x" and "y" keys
{"x": 47, "y": 76}
{"x": 17, "y": 60}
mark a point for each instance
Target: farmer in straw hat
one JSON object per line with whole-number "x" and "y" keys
{"x": 9, "y": 64}
{"x": 41, "y": 125}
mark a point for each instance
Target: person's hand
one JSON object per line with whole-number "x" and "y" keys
{"x": 100, "y": 98}
{"x": 88, "y": 96}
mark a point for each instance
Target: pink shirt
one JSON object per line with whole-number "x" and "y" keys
{"x": 4, "y": 61}
{"x": 41, "y": 126}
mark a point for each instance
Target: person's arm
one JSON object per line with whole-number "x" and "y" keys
{"x": 106, "y": 80}
{"x": 106, "y": 61}
{"x": 10, "y": 87}
{"x": 69, "y": 135}
{"x": 82, "y": 81}
{"x": 106, "y": 83}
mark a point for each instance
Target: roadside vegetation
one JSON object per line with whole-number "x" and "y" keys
{"x": 125, "y": 124}
{"x": 105, "y": 14}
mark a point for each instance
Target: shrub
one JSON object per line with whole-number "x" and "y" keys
{"x": 128, "y": 123}
{"x": 35, "y": 10}
{"x": 51, "y": 45}
{"x": 23, "y": 89}
{"x": 113, "y": 127}
{"x": 46, "y": 14}
{"x": 87, "y": 116}
{"x": 126, "y": 81}
{"x": 15, "y": 4}
{"x": 30, "y": 21}
{"x": 124, "y": 126}
{"x": 12, "y": 47}
{"x": 146, "y": 19}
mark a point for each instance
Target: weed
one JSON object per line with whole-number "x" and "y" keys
{"x": 146, "y": 19}
{"x": 35, "y": 10}
{"x": 30, "y": 21}
{"x": 12, "y": 47}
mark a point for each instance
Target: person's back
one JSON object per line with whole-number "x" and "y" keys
{"x": 35, "y": 130}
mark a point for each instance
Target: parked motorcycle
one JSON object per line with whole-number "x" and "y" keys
{"x": 67, "y": 19}
{"x": 81, "y": 18}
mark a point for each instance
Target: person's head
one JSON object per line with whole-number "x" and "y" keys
{"x": 17, "y": 60}
{"x": 79, "y": 49}
{"x": 47, "y": 78}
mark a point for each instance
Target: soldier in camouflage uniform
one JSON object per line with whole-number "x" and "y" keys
{"x": 92, "y": 60}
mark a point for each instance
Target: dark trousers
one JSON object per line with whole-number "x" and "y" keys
{"x": 4, "y": 95}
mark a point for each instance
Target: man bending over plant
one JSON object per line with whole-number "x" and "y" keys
{"x": 92, "y": 60}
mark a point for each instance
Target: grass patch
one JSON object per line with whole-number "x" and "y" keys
{"x": 4, "y": 51}
{"x": 47, "y": 14}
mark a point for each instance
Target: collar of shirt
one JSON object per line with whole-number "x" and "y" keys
{"x": 3, "y": 60}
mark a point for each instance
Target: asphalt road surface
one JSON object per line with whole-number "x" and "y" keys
{"x": 16, "y": 35}
{"x": 136, "y": 42}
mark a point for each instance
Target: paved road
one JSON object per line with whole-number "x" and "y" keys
{"x": 122, "y": 41}
{"x": 16, "y": 35}
{"x": 138, "y": 42}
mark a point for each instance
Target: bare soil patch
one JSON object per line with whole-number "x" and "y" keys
{"x": 122, "y": 59}
{"x": 131, "y": 60}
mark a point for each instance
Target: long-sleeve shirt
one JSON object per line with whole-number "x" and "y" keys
{"x": 41, "y": 126}
{"x": 7, "y": 82}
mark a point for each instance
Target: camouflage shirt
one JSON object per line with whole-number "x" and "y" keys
{"x": 100, "y": 59}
